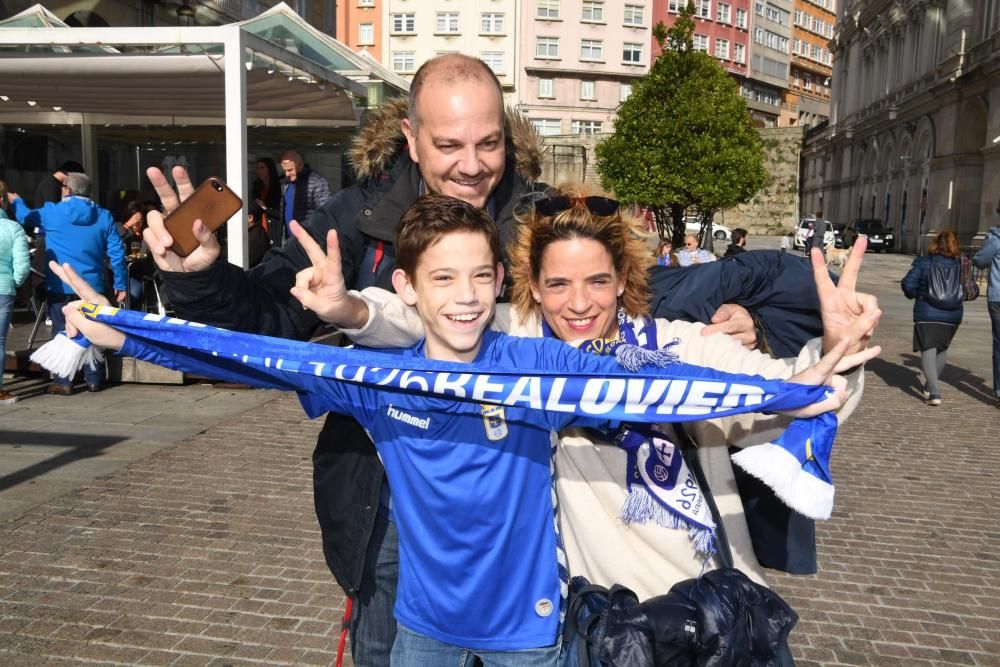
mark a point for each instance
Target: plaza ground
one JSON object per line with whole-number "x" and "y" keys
{"x": 174, "y": 525}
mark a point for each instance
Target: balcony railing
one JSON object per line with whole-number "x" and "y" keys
{"x": 239, "y": 10}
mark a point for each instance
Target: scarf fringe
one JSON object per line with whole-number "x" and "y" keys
{"x": 633, "y": 358}
{"x": 64, "y": 356}
{"x": 782, "y": 471}
{"x": 641, "y": 507}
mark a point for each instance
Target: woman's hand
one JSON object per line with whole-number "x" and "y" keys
{"x": 159, "y": 240}
{"x": 825, "y": 372}
{"x": 847, "y": 314}
{"x": 76, "y": 322}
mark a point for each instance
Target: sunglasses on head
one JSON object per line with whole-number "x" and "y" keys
{"x": 597, "y": 205}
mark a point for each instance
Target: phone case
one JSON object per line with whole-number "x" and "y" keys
{"x": 213, "y": 203}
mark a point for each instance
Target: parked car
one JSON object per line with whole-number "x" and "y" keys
{"x": 838, "y": 235}
{"x": 692, "y": 225}
{"x": 879, "y": 238}
{"x": 829, "y": 236}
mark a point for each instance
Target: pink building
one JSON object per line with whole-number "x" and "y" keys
{"x": 722, "y": 29}
{"x": 578, "y": 61}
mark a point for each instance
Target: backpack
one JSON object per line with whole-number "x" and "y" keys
{"x": 944, "y": 285}
{"x": 969, "y": 285}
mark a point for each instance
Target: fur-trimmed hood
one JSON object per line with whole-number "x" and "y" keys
{"x": 380, "y": 140}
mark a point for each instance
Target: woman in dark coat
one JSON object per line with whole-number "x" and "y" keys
{"x": 267, "y": 191}
{"x": 933, "y": 326}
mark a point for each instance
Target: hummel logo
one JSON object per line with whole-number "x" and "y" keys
{"x": 406, "y": 418}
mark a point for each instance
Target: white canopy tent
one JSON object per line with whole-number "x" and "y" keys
{"x": 272, "y": 70}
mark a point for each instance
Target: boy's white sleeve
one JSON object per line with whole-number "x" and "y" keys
{"x": 391, "y": 323}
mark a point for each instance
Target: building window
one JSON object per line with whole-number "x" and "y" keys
{"x": 624, "y": 92}
{"x": 633, "y": 15}
{"x": 447, "y": 22}
{"x": 593, "y": 11}
{"x": 366, "y": 34}
{"x": 724, "y": 13}
{"x": 491, "y": 24}
{"x": 701, "y": 43}
{"x": 545, "y": 88}
{"x": 591, "y": 49}
{"x": 366, "y": 3}
{"x": 722, "y": 48}
{"x": 703, "y": 9}
{"x": 741, "y": 18}
{"x": 632, "y": 53}
{"x": 548, "y": 9}
{"x": 547, "y": 47}
{"x": 808, "y": 85}
{"x": 675, "y": 6}
{"x": 546, "y": 127}
{"x": 404, "y": 23}
{"x": 403, "y": 61}
{"x": 587, "y": 90}
{"x": 493, "y": 60}
{"x": 586, "y": 127}
{"x": 740, "y": 53}
{"x": 758, "y": 8}
{"x": 758, "y": 35}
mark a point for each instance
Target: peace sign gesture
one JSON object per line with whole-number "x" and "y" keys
{"x": 321, "y": 288}
{"x": 847, "y": 313}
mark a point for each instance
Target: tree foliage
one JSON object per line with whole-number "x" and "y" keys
{"x": 683, "y": 138}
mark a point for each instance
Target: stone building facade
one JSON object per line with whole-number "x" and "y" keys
{"x": 914, "y": 132}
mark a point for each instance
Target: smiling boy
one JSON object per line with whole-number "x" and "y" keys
{"x": 472, "y": 484}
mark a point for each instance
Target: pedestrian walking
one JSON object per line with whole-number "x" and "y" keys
{"x": 989, "y": 256}
{"x": 935, "y": 283}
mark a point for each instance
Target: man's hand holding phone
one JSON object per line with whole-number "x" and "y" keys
{"x": 160, "y": 241}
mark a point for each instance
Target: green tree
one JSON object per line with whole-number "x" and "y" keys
{"x": 683, "y": 138}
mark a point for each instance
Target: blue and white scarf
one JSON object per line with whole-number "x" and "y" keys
{"x": 644, "y": 386}
{"x": 659, "y": 485}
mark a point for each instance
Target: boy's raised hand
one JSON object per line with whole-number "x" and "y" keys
{"x": 847, "y": 314}
{"x": 321, "y": 287}
{"x": 76, "y": 322}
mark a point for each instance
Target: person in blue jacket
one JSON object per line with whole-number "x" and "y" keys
{"x": 452, "y": 137}
{"x": 79, "y": 232}
{"x": 989, "y": 256}
{"x": 933, "y": 326}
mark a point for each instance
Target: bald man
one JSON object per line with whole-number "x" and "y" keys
{"x": 303, "y": 191}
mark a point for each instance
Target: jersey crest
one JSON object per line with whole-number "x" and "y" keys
{"x": 494, "y": 421}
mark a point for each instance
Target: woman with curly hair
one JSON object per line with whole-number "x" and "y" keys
{"x": 579, "y": 274}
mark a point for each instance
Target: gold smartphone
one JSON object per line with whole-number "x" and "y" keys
{"x": 213, "y": 203}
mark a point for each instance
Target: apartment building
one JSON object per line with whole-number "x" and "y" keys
{"x": 812, "y": 60}
{"x": 579, "y": 59}
{"x": 766, "y": 87}
{"x": 913, "y": 137}
{"x": 418, "y": 30}
{"x": 751, "y": 39}
{"x": 359, "y": 25}
{"x": 722, "y": 29}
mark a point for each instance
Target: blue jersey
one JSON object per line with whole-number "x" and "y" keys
{"x": 472, "y": 496}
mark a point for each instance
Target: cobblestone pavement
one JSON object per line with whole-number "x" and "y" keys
{"x": 207, "y": 552}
